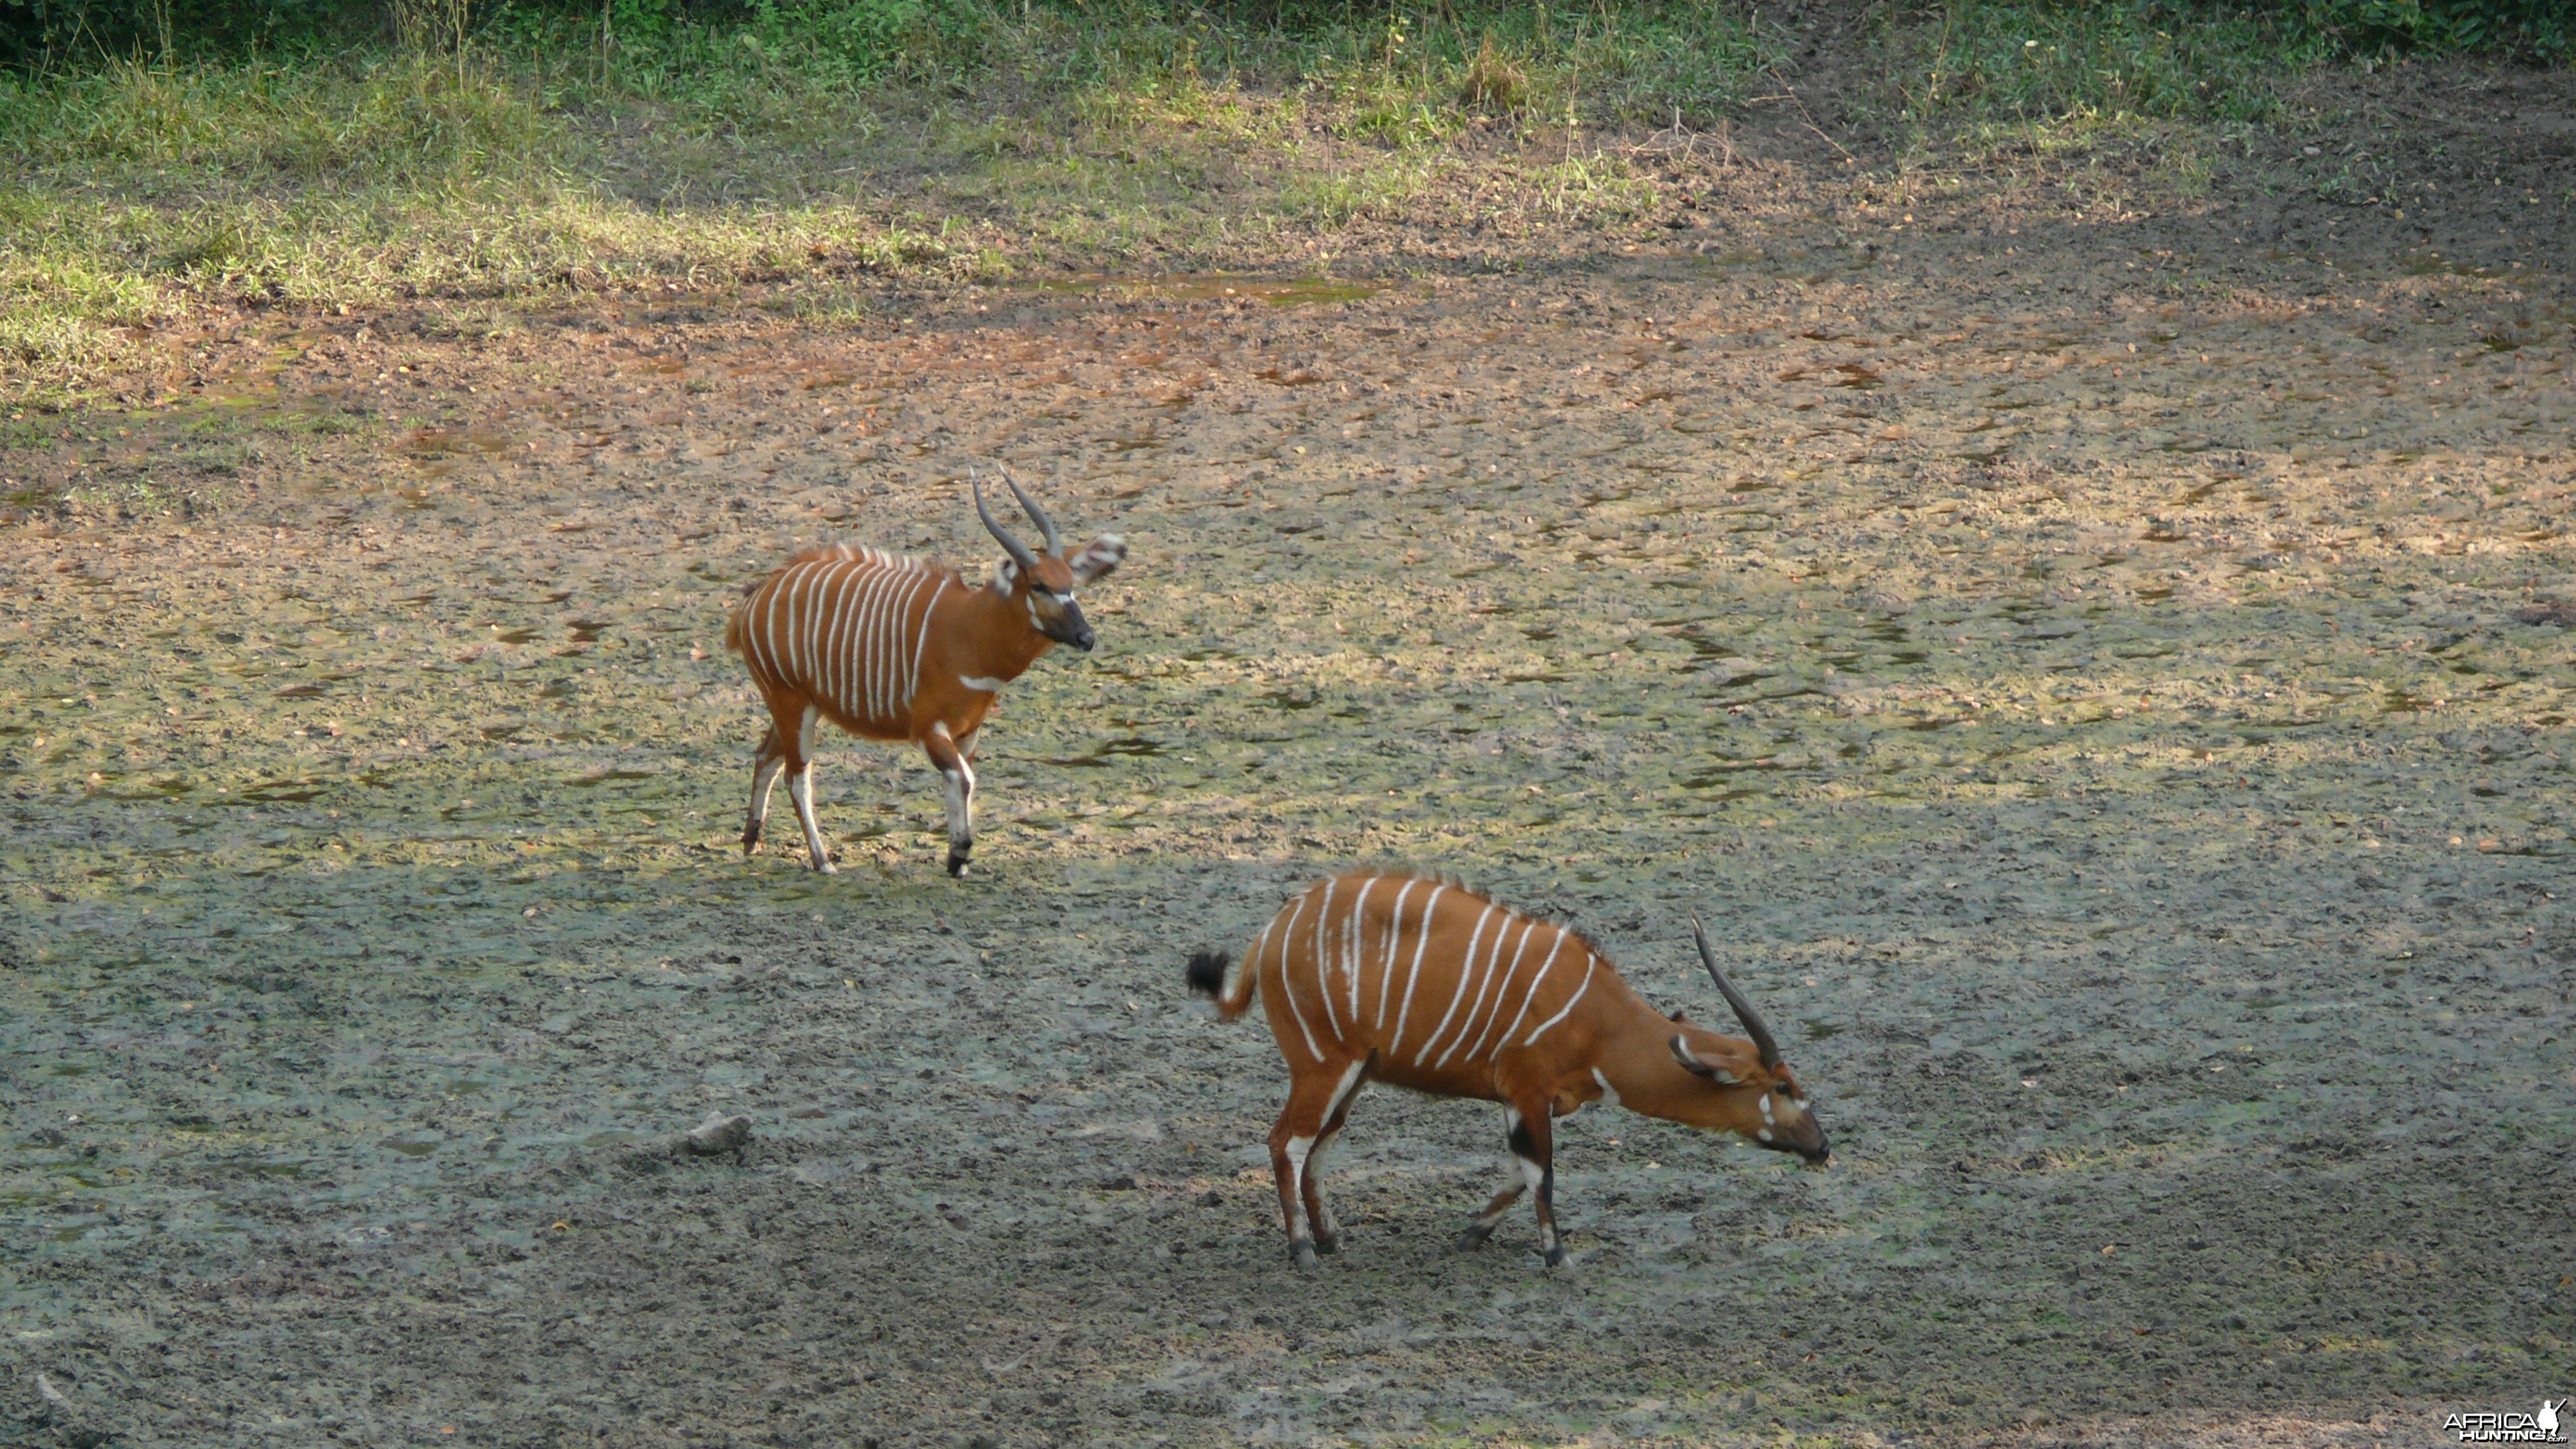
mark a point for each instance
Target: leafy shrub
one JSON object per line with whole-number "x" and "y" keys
{"x": 2538, "y": 29}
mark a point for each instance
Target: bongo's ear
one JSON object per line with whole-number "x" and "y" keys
{"x": 1699, "y": 1068}
{"x": 1097, "y": 558}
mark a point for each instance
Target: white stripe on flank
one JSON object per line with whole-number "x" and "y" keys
{"x": 1589, "y": 961}
{"x": 1288, "y": 992}
{"x": 1252, "y": 963}
{"x": 885, "y": 649}
{"x": 885, "y": 666}
{"x": 776, "y": 634}
{"x": 1530, "y": 992}
{"x": 777, "y": 621}
{"x": 898, "y": 632}
{"x": 808, "y": 639}
{"x": 826, "y": 622}
{"x": 1323, "y": 962}
{"x": 782, "y": 615}
{"x": 1503, "y": 994}
{"x": 981, "y": 683}
{"x": 1491, "y": 989}
{"x": 889, "y": 641}
{"x": 1466, "y": 968}
{"x": 798, "y": 607}
{"x": 809, "y": 632}
{"x": 867, "y": 636}
{"x": 756, "y": 629}
{"x": 1481, "y": 979}
{"x": 849, "y": 640}
{"x": 836, "y": 640}
{"x": 1413, "y": 972}
{"x": 1394, "y": 938}
{"x": 912, "y": 686}
{"x": 840, "y": 641}
{"x": 1351, "y": 947}
{"x": 924, "y": 589}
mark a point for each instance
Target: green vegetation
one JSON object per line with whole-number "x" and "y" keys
{"x": 788, "y": 143}
{"x": 2014, "y": 59}
{"x": 181, "y": 153}
{"x": 2020, "y": 62}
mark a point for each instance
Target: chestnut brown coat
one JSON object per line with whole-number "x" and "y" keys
{"x": 892, "y": 648}
{"x": 1422, "y": 983}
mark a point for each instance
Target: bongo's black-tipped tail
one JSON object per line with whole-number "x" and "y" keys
{"x": 1207, "y": 974}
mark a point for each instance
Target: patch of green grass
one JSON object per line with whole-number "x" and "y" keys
{"x": 393, "y": 119}
{"x": 933, "y": 139}
{"x": 1984, "y": 61}
{"x": 473, "y": 321}
{"x": 129, "y": 497}
{"x": 2029, "y": 60}
{"x": 1594, "y": 188}
{"x": 1335, "y": 198}
{"x": 806, "y": 140}
{"x": 823, "y": 302}
{"x": 2358, "y": 179}
{"x": 38, "y": 340}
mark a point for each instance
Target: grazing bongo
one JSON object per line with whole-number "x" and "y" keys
{"x": 893, "y": 648}
{"x": 1423, "y": 983}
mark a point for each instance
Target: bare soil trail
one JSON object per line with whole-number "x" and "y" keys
{"x": 2096, "y": 652}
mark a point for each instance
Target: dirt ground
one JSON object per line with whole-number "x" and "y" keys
{"x": 2093, "y": 642}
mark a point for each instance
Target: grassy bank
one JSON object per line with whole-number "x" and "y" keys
{"x": 705, "y": 158}
{"x": 1977, "y": 61}
{"x": 790, "y": 148}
